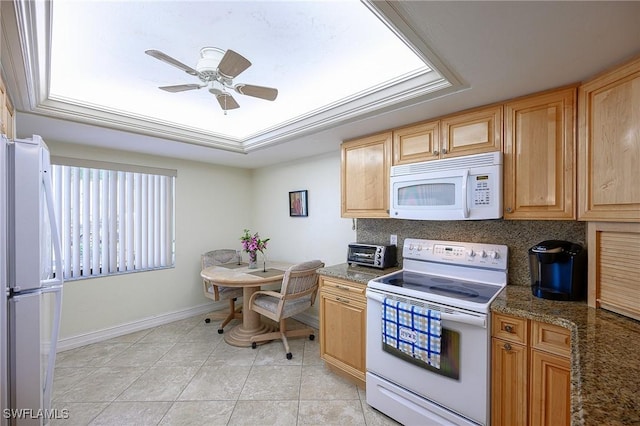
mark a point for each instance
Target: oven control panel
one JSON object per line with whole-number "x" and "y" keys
{"x": 460, "y": 253}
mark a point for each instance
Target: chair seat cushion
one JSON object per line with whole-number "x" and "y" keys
{"x": 291, "y": 307}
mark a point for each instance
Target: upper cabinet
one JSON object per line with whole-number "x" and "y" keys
{"x": 472, "y": 132}
{"x": 539, "y": 156}
{"x": 469, "y": 132}
{"x": 609, "y": 146}
{"x": 416, "y": 143}
{"x": 7, "y": 119}
{"x": 365, "y": 164}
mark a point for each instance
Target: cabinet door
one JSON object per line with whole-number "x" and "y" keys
{"x": 365, "y": 176}
{"x": 508, "y": 383}
{"x": 550, "y": 389}
{"x": 342, "y": 333}
{"x": 472, "y": 132}
{"x": 609, "y": 150}
{"x": 416, "y": 143}
{"x": 539, "y": 157}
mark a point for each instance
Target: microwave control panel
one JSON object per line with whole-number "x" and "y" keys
{"x": 481, "y": 191}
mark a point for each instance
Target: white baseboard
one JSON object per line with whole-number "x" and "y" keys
{"x": 145, "y": 323}
{"x": 310, "y": 320}
{"x": 131, "y": 327}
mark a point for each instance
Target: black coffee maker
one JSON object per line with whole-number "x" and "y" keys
{"x": 558, "y": 270}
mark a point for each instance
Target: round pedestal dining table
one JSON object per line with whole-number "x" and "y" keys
{"x": 251, "y": 280}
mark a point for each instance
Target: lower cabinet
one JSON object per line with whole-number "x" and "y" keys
{"x": 343, "y": 316}
{"x": 530, "y": 372}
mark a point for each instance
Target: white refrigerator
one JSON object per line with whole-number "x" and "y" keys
{"x": 31, "y": 282}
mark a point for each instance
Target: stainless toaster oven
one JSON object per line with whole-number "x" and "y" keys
{"x": 374, "y": 255}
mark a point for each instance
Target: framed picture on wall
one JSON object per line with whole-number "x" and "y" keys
{"x": 298, "y": 203}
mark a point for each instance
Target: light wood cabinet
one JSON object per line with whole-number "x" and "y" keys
{"x": 7, "y": 113}
{"x": 365, "y": 164}
{"x": 471, "y": 132}
{"x": 465, "y": 133}
{"x": 416, "y": 143}
{"x": 343, "y": 316}
{"x": 609, "y": 146}
{"x": 508, "y": 383}
{"x": 530, "y": 372}
{"x": 539, "y": 156}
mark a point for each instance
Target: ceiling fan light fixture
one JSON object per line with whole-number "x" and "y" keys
{"x": 210, "y": 58}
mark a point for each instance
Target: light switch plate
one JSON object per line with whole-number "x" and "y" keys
{"x": 393, "y": 239}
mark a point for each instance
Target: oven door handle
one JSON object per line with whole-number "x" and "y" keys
{"x": 459, "y": 317}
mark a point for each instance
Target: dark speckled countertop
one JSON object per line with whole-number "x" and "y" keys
{"x": 605, "y": 349}
{"x": 605, "y": 361}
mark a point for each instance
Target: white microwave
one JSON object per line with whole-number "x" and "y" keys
{"x": 459, "y": 188}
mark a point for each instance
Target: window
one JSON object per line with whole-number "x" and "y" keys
{"x": 114, "y": 218}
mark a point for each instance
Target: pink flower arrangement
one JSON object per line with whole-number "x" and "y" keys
{"x": 252, "y": 243}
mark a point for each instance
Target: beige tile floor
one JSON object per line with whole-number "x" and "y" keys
{"x": 183, "y": 373}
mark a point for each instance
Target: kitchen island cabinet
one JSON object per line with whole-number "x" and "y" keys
{"x": 599, "y": 352}
{"x": 529, "y": 358}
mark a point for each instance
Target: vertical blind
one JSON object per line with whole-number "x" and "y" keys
{"x": 113, "y": 218}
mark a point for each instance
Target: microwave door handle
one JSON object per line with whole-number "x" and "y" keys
{"x": 465, "y": 209}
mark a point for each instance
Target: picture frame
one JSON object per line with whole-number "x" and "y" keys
{"x": 298, "y": 206}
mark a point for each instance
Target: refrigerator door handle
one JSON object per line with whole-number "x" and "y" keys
{"x": 55, "y": 236}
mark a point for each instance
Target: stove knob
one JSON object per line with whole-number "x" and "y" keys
{"x": 483, "y": 253}
{"x": 493, "y": 254}
{"x": 419, "y": 248}
{"x": 471, "y": 253}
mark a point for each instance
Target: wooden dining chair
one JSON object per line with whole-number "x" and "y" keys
{"x": 297, "y": 294}
{"x": 218, "y": 293}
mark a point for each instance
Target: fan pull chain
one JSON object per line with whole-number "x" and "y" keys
{"x": 225, "y": 104}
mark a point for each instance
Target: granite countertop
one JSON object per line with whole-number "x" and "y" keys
{"x": 359, "y": 274}
{"x": 605, "y": 355}
{"x": 605, "y": 348}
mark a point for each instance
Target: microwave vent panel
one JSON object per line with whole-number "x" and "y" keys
{"x": 456, "y": 163}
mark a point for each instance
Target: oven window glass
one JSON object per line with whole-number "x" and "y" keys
{"x": 427, "y": 194}
{"x": 449, "y": 355}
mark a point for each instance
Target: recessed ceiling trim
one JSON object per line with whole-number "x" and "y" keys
{"x": 99, "y": 116}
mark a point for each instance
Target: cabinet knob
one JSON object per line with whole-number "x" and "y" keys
{"x": 507, "y": 347}
{"x": 436, "y": 153}
{"x": 508, "y": 328}
{"x": 509, "y": 209}
{"x": 444, "y": 151}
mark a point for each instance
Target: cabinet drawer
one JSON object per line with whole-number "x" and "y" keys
{"x": 551, "y": 338}
{"x": 342, "y": 287}
{"x": 509, "y": 328}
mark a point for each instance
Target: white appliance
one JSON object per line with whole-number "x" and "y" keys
{"x": 459, "y": 188}
{"x": 32, "y": 286}
{"x": 458, "y": 281}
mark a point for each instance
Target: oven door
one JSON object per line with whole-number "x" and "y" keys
{"x": 456, "y": 393}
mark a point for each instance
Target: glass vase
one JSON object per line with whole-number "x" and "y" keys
{"x": 253, "y": 260}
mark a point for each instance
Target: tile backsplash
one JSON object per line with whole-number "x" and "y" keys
{"x": 518, "y": 235}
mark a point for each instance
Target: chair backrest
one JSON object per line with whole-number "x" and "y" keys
{"x": 217, "y": 257}
{"x": 301, "y": 279}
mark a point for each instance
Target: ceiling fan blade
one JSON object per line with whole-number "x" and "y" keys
{"x": 261, "y": 92}
{"x": 169, "y": 60}
{"x": 226, "y": 101}
{"x": 181, "y": 87}
{"x": 232, "y": 64}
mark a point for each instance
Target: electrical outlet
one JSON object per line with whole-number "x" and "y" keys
{"x": 393, "y": 239}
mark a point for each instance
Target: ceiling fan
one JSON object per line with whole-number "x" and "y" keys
{"x": 216, "y": 70}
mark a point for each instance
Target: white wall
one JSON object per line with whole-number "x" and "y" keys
{"x": 323, "y": 234}
{"x": 213, "y": 205}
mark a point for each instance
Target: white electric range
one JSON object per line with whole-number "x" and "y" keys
{"x": 456, "y": 283}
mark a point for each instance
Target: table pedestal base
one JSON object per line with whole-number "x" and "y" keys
{"x": 240, "y": 336}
